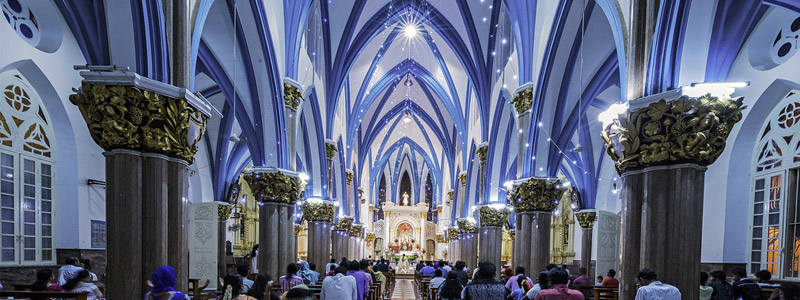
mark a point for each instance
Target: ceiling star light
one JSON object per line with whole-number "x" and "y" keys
{"x": 407, "y": 118}
{"x": 410, "y": 31}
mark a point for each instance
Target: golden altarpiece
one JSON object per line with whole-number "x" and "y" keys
{"x": 562, "y": 230}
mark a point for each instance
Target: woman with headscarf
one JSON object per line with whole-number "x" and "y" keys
{"x": 233, "y": 289}
{"x": 163, "y": 281}
{"x": 308, "y": 276}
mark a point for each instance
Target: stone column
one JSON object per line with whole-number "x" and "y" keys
{"x": 452, "y": 251}
{"x": 534, "y": 200}
{"x": 522, "y": 101}
{"x": 224, "y": 213}
{"x": 319, "y": 214}
{"x": 522, "y": 253}
{"x": 586, "y": 220}
{"x": 469, "y": 241}
{"x": 144, "y": 126}
{"x": 351, "y": 195}
{"x": 661, "y": 147}
{"x": 292, "y": 109}
{"x": 276, "y": 191}
{"x": 330, "y": 153}
{"x": 492, "y": 218}
{"x": 297, "y": 230}
{"x": 341, "y": 238}
{"x": 355, "y": 249}
{"x": 482, "y": 151}
{"x": 177, "y": 221}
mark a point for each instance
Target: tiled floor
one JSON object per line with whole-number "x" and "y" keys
{"x": 404, "y": 290}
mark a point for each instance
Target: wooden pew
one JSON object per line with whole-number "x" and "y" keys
{"x": 606, "y": 293}
{"x": 44, "y": 295}
{"x": 434, "y": 292}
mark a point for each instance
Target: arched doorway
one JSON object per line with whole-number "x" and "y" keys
{"x": 378, "y": 248}
{"x": 430, "y": 249}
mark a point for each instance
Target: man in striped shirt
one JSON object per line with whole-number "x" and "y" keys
{"x": 652, "y": 289}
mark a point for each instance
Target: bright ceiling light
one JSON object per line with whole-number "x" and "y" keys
{"x": 410, "y": 31}
{"x": 407, "y": 118}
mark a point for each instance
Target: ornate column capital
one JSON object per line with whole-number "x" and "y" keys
{"x": 369, "y": 237}
{"x": 467, "y": 225}
{"x": 440, "y": 238}
{"x": 482, "y": 151}
{"x": 317, "y": 210}
{"x": 523, "y": 99}
{"x": 330, "y": 149}
{"x": 535, "y": 194}
{"x": 274, "y": 185}
{"x": 343, "y": 224}
{"x": 493, "y": 214}
{"x": 348, "y": 175}
{"x": 292, "y": 94}
{"x": 297, "y": 229}
{"x": 670, "y": 128}
{"x": 462, "y": 178}
{"x": 452, "y": 233}
{"x": 126, "y": 111}
{"x": 356, "y": 230}
{"x": 586, "y": 218}
{"x": 224, "y": 211}
{"x": 512, "y": 234}
{"x": 450, "y": 195}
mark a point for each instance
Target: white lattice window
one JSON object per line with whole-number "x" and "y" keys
{"x": 775, "y": 218}
{"x": 27, "y": 188}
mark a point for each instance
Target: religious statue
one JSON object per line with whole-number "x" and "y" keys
{"x": 405, "y": 199}
{"x": 402, "y": 267}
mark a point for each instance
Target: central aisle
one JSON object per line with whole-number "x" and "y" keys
{"x": 404, "y": 290}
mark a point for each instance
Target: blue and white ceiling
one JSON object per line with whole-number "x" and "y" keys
{"x": 394, "y": 104}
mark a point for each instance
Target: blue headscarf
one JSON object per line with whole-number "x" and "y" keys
{"x": 306, "y": 274}
{"x": 163, "y": 280}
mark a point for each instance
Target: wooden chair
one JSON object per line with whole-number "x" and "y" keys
{"x": 434, "y": 293}
{"x": 44, "y": 295}
{"x": 606, "y": 293}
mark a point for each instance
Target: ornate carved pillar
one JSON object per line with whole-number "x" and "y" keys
{"x": 292, "y": 107}
{"x": 534, "y": 200}
{"x": 482, "y": 151}
{"x": 298, "y": 228}
{"x": 469, "y": 241}
{"x": 276, "y": 191}
{"x": 341, "y": 237}
{"x": 522, "y": 101}
{"x": 491, "y": 219}
{"x": 144, "y": 126}
{"x": 586, "y": 220}
{"x": 351, "y": 195}
{"x": 319, "y": 214}
{"x": 356, "y": 231}
{"x": 661, "y": 146}
{"x": 224, "y": 213}
{"x": 462, "y": 179}
{"x": 330, "y": 153}
{"x": 453, "y": 251}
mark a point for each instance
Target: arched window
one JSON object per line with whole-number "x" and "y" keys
{"x": 432, "y": 212}
{"x": 775, "y": 219}
{"x": 27, "y": 188}
{"x": 381, "y": 199}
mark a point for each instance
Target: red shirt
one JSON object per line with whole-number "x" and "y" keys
{"x": 610, "y": 281}
{"x": 559, "y": 292}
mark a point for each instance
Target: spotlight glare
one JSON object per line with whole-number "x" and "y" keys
{"x": 410, "y": 31}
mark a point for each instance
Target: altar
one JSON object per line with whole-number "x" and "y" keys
{"x": 405, "y": 229}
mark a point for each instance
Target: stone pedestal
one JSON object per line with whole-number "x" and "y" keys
{"x": 662, "y": 157}
{"x": 204, "y": 240}
{"x": 608, "y": 242}
{"x": 223, "y": 213}
{"x": 318, "y": 214}
{"x": 586, "y": 220}
{"x": 150, "y": 131}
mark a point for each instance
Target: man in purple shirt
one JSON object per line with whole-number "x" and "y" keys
{"x": 427, "y": 269}
{"x": 354, "y": 269}
{"x": 512, "y": 284}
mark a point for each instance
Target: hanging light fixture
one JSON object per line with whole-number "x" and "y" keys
{"x": 408, "y": 82}
{"x": 578, "y": 147}
{"x": 407, "y": 118}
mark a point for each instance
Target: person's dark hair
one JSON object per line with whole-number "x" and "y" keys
{"x": 703, "y": 278}
{"x": 430, "y": 264}
{"x": 364, "y": 264}
{"x": 73, "y": 283}
{"x": 291, "y": 269}
{"x": 437, "y": 273}
{"x": 333, "y": 260}
{"x": 298, "y": 293}
{"x": 558, "y": 276}
{"x": 451, "y": 288}
{"x": 312, "y": 267}
{"x": 739, "y": 272}
{"x": 333, "y": 268}
{"x": 600, "y": 278}
{"x": 259, "y": 287}
{"x": 344, "y": 259}
{"x": 235, "y": 282}
{"x": 353, "y": 266}
{"x": 549, "y": 267}
{"x": 764, "y": 275}
{"x": 647, "y": 274}
{"x": 341, "y": 270}
{"x": 544, "y": 280}
{"x": 486, "y": 270}
{"x": 87, "y": 263}
{"x": 253, "y": 251}
{"x": 719, "y": 275}
{"x": 612, "y": 273}
{"x": 460, "y": 266}
{"x": 583, "y": 271}
{"x": 383, "y": 261}
{"x": 790, "y": 291}
{"x": 519, "y": 270}
{"x": 521, "y": 283}
{"x": 43, "y": 277}
{"x": 243, "y": 270}
{"x": 70, "y": 260}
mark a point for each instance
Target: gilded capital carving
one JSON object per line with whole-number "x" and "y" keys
{"x": 224, "y": 212}
{"x": 452, "y": 233}
{"x": 297, "y": 229}
{"x": 292, "y": 95}
{"x": 330, "y": 150}
{"x": 494, "y": 215}
{"x": 586, "y": 219}
{"x": 343, "y": 224}
{"x": 685, "y": 130}
{"x": 482, "y": 152}
{"x": 536, "y": 194}
{"x": 127, "y": 117}
{"x": 467, "y": 226}
{"x": 512, "y": 234}
{"x": 523, "y": 100}
{"x": 317, "y": 210}
{"x": 370, "y": 237}
{"x": 463, "y": 179}
{"x": 349, "y": 176}
{"x": 440, "y": 238}
{"x": 356, "y": 230}
{"x": 274, "y": 187}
